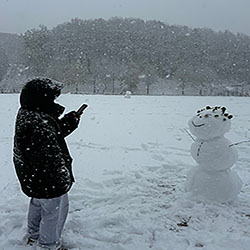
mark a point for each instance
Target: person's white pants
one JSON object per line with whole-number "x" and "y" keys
{"x": 46, "y": 219}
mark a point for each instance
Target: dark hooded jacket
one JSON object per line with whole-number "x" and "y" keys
{"x": 41, "y": 157}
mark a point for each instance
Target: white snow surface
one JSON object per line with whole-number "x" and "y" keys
{"x": 131, "y": 159}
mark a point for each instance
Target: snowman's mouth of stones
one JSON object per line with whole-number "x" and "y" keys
{"x": 197, "y": 125}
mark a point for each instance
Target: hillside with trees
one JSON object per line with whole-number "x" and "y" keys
{"x": 119, "y": 54}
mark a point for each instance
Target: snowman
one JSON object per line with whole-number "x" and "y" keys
{"x": 213, "y": 179}
{"x": 127, "y": 94}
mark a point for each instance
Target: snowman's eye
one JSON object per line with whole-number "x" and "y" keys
{"x": 207, "y": 115}
{"x": 216, "y": 116}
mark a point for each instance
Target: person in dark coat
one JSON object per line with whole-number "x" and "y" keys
{"x": 42, "y": 160}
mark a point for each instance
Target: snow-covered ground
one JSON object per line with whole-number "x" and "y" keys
{"x": 131, "y": 158}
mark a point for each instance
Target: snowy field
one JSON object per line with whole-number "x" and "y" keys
{"x": 131, "y": 158}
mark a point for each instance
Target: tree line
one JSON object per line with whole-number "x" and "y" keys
{"x": 119, "y": 54}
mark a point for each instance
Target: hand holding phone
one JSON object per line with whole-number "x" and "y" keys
{"x": 81, "y": 109}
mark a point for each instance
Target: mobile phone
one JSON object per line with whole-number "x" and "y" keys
{"x": 81, "y": 109}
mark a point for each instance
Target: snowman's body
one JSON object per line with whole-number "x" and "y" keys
{"x": 215, "y": 154}
{"x": 127, "y": 94}
{"x": 213, "y": 178}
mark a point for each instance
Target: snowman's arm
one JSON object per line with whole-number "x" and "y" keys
{"x": 237, "y": 143}
{"x": 189, "y": 134}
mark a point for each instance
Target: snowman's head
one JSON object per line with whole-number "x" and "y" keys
{"x": 210, "y": 122}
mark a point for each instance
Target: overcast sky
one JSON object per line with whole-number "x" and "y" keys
{"x": 17, "y": 16}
